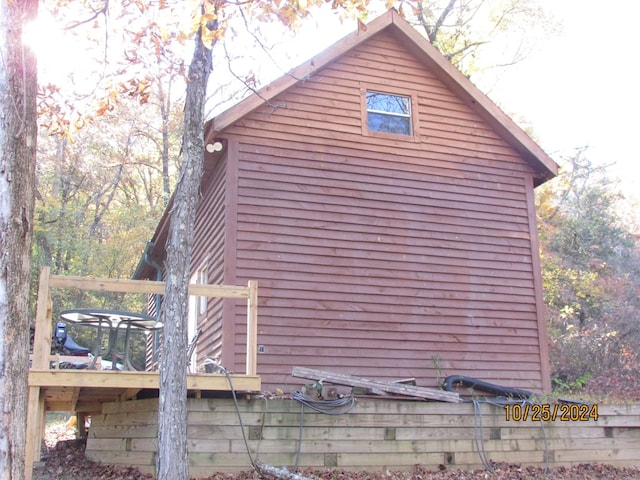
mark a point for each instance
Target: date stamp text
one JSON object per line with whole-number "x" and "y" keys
{"x": 546, "y": 412}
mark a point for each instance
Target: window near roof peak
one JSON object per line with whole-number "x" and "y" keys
{"x": 388, "y": 113}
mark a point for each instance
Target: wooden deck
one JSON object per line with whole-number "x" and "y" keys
{"x": 85, "y": 391}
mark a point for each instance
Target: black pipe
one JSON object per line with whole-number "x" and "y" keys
{"x": 476, "y": 384}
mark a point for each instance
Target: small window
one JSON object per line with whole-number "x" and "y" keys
{"x": 388, "y": 113}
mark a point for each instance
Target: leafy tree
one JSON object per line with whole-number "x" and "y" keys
{"x": 98, "y": 197}
{"x": 18, "y": 86}
{"x": 590, "y": 272}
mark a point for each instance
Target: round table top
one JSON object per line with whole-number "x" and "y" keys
{"x": 97, "y": 317}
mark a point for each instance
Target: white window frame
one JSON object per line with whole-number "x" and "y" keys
{"x": 197, "y": 308}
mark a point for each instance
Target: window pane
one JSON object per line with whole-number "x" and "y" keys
{"x": 380, "y": 122}
{"x": 383, "y": 102}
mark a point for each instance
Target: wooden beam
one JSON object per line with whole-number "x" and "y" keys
{"x": 42, "y": 338}
{"x": 74, "y": 399}
{"x": 252, "y": 329}
{"x": 129, "y": 394}
{"x": 397, "y": 388}
{"x": 129, "y": 380}
{"x": 35, "y": 429}
{"x": 88, "y": 407}
{"x": 40, "y": 359}
{"x": 144, "y": 286}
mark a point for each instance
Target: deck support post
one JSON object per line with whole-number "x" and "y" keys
{"x": 252, "y": 329}
{"x": 35, "y": 430}
{"x": 40, "y": 361}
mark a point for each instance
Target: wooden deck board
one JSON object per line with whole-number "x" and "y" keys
{"x": 84, "y": 390}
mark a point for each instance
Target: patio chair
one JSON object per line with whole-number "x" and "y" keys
{"x": 64, "y": 344}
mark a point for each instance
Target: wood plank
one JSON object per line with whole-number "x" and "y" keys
{"x": 117, "y": 444}
{"x": 349, "y": 380}
{"x": 616, "y": 410}
{"x": 43, "y": 327}
{"x": 129, "y": 393}
{"x": 136, "y": 459}
{"x": 145, "y": 405}
{"x": 84, "y": 406}
{"x": 75, "y": 394}
{"x": 596, "y": 455}
{"x": 302, "y": 167}
{"x": 130, "y": 419}
{"x": 458, "y": 201}
{"x": 406, "y": 163}
{"x": 144, "y": 286}
{"x": 252, "y": 329}
{"x": 125, "y": 380}
{"x": 35, "y": 429}
{"x": 391, "y": 461}
{"x": 441, "y": 160}
{"x": 133, "y": 432}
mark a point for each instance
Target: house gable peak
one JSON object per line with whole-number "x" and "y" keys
{"x": 422, "y": 49}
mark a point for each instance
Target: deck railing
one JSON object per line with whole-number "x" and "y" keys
{"x": 41, "y": 357}
{"x": 43, "y": 321}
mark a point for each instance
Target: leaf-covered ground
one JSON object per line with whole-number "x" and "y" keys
{"x": 63, "y": 459}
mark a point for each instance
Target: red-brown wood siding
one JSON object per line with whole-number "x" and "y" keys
{"x": 208, "y": 253}
{"x": 384, "y": 257}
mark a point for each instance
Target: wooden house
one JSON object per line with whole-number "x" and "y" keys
{"x": 386, "y": 208}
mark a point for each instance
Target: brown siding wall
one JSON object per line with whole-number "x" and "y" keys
{"x": 384, "y": 257}
{"x": 209, "y": 244}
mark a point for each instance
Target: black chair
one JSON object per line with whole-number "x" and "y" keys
{"x": 64, "y": 344}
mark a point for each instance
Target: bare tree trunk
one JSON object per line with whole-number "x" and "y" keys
{"x": 165, "y": 106}
{"x": 172, "y": 460}
{"x": 18, "y": 85}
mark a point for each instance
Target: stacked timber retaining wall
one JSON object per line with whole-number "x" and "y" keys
{"x": 376, "y": 435}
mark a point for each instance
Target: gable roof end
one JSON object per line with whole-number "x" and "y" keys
{"x": 426, "y": 53}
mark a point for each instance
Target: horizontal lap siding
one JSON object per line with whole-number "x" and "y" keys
{"x": 385, "y": 257}
{"x": 208, "y": 250}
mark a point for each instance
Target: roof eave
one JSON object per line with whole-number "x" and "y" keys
{"x": 478, "y": 101}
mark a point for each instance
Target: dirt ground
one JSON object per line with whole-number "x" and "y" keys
{"x": 63, "y": 459}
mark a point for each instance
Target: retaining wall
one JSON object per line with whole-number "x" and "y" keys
{"x": 378, "y": 434}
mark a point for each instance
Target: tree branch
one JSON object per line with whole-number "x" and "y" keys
{"x": 96, "y": 14}
{"x": 433, "y": 34}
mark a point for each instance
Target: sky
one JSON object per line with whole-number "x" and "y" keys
{"x": 580, "y": 87}
{"x": 577, "y": 88}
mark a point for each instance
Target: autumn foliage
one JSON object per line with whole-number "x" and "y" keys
{"x": 591, "y": 274}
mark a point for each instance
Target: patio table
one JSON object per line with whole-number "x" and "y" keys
{"x": 115, "y": 321}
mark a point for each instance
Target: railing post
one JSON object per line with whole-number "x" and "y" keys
{"x": 40, "y": 361}
{"x": 252, "y": 329}
{"x": 42, "y": 334}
